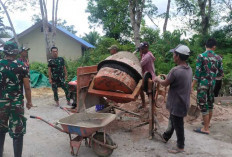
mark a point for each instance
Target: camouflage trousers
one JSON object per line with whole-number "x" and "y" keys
{"x": 64, "y": 86}
{"x": 205, "y": 99}
{"x": 12, "y": 111}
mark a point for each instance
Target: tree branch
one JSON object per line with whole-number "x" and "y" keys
{"x": 11, "y": 24}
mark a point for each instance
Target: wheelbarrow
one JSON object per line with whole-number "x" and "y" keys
{"x": 86, "y": 126}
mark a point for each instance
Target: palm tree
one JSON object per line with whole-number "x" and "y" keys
{"x": 3, "y": 29}
{"x": 93, "y": 37}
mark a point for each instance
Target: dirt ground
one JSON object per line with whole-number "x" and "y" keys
{"x": 41, "y": 140}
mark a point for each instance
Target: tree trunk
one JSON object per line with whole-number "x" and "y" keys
{"x": 54, "y": 21}
{"x": 166, "y": 17}
{"x": 11, "y": 24}
{"x": 45, "y": 28}
{"x": 136, "y": 10}
{"x": 204, "y": 17}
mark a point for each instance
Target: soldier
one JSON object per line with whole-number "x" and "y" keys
{"x": 13, "y": 76}
{"x": 208, "y": 67}
{"x": 57, "y": 73}
{"x": 24, "y": 57}
{"x": 113, "y": 49}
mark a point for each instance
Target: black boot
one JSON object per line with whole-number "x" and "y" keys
{"x": 2, "y": 140}
{"x": 18, "y": 146}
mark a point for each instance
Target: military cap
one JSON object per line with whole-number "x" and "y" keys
{"x": 113, "y": 47}
{"x": 24, "y": 49}
{"x": 10, "y": 48}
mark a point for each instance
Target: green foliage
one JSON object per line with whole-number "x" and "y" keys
{"x": 40, "y": 67}
{"x": 93, "y": 37}
{"x": 21, "y": 5}
{"x": 150, "y": 35}
{"x": 4, "y": 29}
{"x": 112, "y": 15}
{"x": 2, "y": 55}
{"x": 159, "y": 46}
{"x": 63, "y": 24}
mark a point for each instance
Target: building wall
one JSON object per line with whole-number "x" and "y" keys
{"x": 68, "y": 47}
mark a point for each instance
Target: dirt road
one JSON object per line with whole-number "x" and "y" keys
{"x": 42, "y": 140}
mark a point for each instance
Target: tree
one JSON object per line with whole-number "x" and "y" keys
{"x": 136, "y": 10}
{"x": 226, "y": 7}
{"x": 49, "y": 38}
{"x": 120, "y": 18}
{"x": 3, "y": 29}
{"x": 10, "y": 5}
{"x": 200, "y": 10}
{"x": 149, "y": 34}
{"x": 9, "y": 19}
{"x": 93, "y": 37}
{"x": 112, "y": 15}
{"x": 63, "y": 24}
{"x": 205, "y": 16}
{"x": 166, "y": 16}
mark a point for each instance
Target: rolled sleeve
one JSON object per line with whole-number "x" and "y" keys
{"x": 198, "y": 68}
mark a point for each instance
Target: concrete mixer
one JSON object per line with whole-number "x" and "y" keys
{"x": 117, "y": 78}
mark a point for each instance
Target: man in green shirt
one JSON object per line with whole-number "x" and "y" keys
{"x": 13, "y": 77}
{"x": 57, "y": 73}
{"x": 208, "y": 67}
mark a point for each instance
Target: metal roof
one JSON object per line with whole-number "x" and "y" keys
{"x": 39, "y": 24}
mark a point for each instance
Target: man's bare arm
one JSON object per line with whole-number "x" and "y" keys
{"x": 164, "y": 83}
{"x": 26, "y": 83}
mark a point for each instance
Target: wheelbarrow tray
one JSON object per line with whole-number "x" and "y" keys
{"x": 85, "y": 124}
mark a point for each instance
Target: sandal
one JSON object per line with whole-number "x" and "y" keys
{"x": 198, "y": 130}
{"x": 175, "y": 150}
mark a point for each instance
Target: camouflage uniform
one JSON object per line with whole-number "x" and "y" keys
{"x": 1, "y": 55}
{"x": 11, "y": 97}
{"x": 208, "y": 66}
{"x": 58, "y": 77}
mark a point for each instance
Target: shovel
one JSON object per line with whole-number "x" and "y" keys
{"x": 194, "y": 110}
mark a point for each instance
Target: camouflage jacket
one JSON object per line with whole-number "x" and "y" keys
{"x": 57, "y": 69}
{"x": 2, "y": 55}
{"x": 25, "y": 62}
{"x": 12, "y": 73}
{"x": 208, "y": 67}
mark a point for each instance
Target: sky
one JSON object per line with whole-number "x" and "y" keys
{"x": 73, "y": 11}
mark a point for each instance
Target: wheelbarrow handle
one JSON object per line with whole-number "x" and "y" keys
{"x": 52, "y": 125}
{"x": 33, "y": 117}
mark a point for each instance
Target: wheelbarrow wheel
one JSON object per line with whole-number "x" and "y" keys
{"x": 99, "y": 149}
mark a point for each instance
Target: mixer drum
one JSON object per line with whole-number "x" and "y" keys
{"x": 120, "y": 73}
